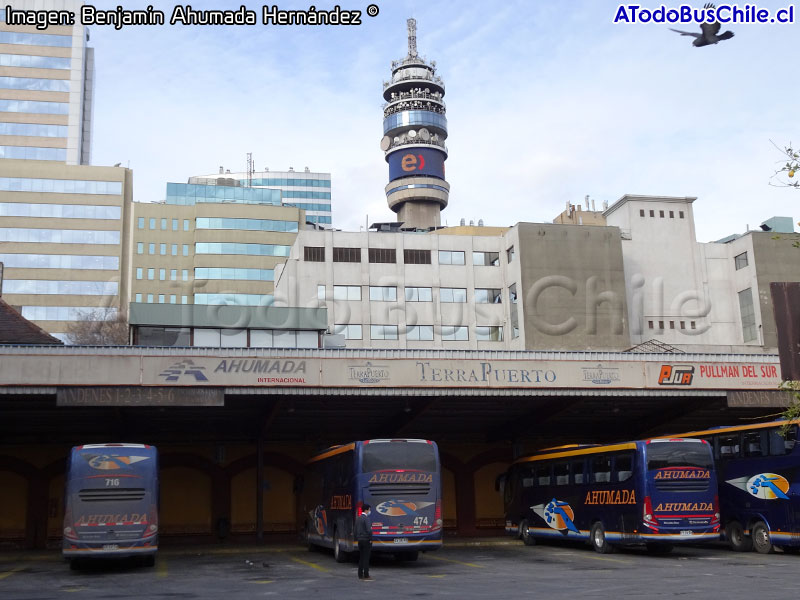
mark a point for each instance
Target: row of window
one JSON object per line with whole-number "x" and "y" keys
{"x": 414, "y": 117}
{"x": 60, "y": 211}
{"x": 597, "y": 469}
{"x": 60, "y": 186}
{"x": 769, "y": 442}
{"x": 58, "y": 236}
{"x": 164, "y": 223}
{"x": 224, "y": 338}
{"x": 162, "y": 274}
{"x": 77, "y": 288}
{"x": 412, "y": 294}
{"x": 321, "y": 219}
{"x": 308, "y": 195}
{"x": 33, "y": 129}
{"x": 285, "y": 181}
{"x": 34, "y": 62}
{"x": 34, "y": 84}
{"x": 162, "y": 249}
{"x": 35, "y": 107}
{"x": 35, "y": 39}
{"x": 246, "y": 224}
{"x": 410, "y": 257}
{"x": 661, "y": 213}
{"x": 208, "y": 299}
{"x": 161, "y": 298}
{"x": 67, "y": 313}
{"x": 310, "y": 206}
{"x": 241, "y": 249}
{"x": 60, "y": 261}
{"x": 672, "y": 324}
{"x": 452, "y": 333}
{"x": 33, "y": 153}
{"x": 191, "y": 193}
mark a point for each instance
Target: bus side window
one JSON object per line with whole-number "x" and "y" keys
{"x": 752, "y": 443}
{"x": 543, "y": 475}
{"x": 779, "y": 445}
{"x": 528, "y": 477}
{"x": 729, "y": 446}
{"x": 601, "y": 469}
{"x": 577, "y": 471}
{"x": 623, "y": 465}
{"x": 561, "y": 473}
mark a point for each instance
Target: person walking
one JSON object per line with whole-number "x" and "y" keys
{"x": 364, "y": 538}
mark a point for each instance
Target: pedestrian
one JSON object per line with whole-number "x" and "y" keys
{"x": 364, "y": 538}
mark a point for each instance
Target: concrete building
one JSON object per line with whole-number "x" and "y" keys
{"x": 414, "y": 134}
{"x": 305, "y": 189}
{"x": 46, "y": 87}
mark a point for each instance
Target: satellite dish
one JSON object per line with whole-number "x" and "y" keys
{"x": 386, "y": 142}
{"x": 424, "y": 134}
{"x": 396, "y": 139}
{"x": 412, "y": 134}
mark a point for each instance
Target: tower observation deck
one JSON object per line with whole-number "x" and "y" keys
{"x": 414, "y": 132}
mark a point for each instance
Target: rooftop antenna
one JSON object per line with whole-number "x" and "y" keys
{"x": 250, "y": 169}
{"x": 412, "y": 37}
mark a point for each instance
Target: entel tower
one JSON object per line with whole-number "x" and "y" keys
{"x": 414, "y": 131}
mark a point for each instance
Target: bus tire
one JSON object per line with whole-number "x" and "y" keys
{"x": 658, "y": 548}
{"x": 760, "y": 536}
{"x": 597, "y": 537}
{"x": 736, "y": 537}
{"x": 339, "y": 553}
{"x": 525, "y": 533}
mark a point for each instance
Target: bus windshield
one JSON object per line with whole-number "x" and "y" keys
{"x": 390, "y": 456}
{"x": 662, "y": 455}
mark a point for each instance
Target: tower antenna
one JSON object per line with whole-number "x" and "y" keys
{"x": 412, "y": 37}
{"x": 250, "y": 169}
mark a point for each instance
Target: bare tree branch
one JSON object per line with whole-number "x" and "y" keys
{"x": 94, "y": 329}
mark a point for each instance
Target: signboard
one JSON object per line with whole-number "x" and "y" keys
{"x": 759, "y": 398}
{"x": 139, "y": 396}
{"x": 685, "y": 375}
{"x": 416, "y": 161}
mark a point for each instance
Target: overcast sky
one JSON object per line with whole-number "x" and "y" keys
{"x": 547, "y": 101}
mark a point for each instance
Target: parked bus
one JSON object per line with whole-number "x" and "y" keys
{"x": 658, "y": 492}
{"x": 399, "y": 478}
{"x": 111, "y": 503}
{"x": 759, "y": 484}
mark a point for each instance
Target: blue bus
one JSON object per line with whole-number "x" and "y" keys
{"x": 658, "y": 492}
{"x": 758, "y": 466}
{"x": 111, "y": 503}
{"x": 399, "y": 478}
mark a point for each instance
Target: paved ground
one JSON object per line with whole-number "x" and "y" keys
{"x": 494, "y": 568}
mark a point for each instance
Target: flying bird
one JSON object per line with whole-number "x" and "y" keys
{"x": 710, "y": 33}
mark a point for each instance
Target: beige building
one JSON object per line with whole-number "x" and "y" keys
{"x": 64, "y": 240}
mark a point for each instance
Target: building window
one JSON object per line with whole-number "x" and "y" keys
{"x": 185, "y": 274}
{"x": 422, "y": 333}
{"x": 186, "y": 249}
{"x": 138, "y": 297}
{"x": 173, "y": 274}
{"x": 451, "y": 257}
{"x": 321, "y": 292}
{"x": 347, "y": 292}
{"x": 512, "y": 293}
{"x": 652, "y": 213}
{"x": 486, "y": 259}
{"x": 672, "y": 324}
{"x": 641, "y": 212}
{"x": 152, "y": 223}
{"x": 139, "y": 247}
{"x": 650, "y": 324}
{"x": 510, "y": 254}
{"x": 162, "y": 274}
{"x": 149, "y": 298}
{"x": 454, "y": 295}
{"x": 383, "y": 332}
{"x": 174, "y": 228}
{"x": 382, "y": 255}
{"x": 740, "y": 261}
{"x": 748, "y": 313}
{"x": 661, "y": 214}
{"x": 174, "y": 249}
{"x": 693, "y": 325}
{"x": 139, "y": 271}
{"x": 419, "y": 294}
{"x": 417, "y": 257}
{"x": 455, "y": 333}
{"x": 314, "y": 254}
{"x": 162, "y": 298}
{"x": 141, "y": 222}
{"x": 661, "y": 325}
{"x": 151, "y": 248}
{"x": 173, "y": 299}
{"x": 351, "y": 255}
{"x": 489, "y": 334}
{"x": 488, "y": 296}
{"x": 672, "y": 214}
{"x": 163, "y": 224}
{"x": 680, "y": 214}
{"x": 383, "y": 294}
{"x": 162, "y": 249}
{"x": 186, "y": 224}
{"x": 184, "y": 299}
{"x": 151, "y": 274}
{"x": 350, "y": 332}
{"x": 683, "y": 324}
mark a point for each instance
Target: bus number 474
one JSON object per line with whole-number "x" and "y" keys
{"x": 420, "y": 520}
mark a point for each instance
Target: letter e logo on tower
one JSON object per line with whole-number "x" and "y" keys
{"x": 411, "y": 162}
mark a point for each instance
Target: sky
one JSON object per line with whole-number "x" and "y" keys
{"x": 547, "y": 102}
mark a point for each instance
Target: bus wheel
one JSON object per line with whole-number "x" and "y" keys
{"x": 655, "y": 548}
{"x": 738, "y": 540}
{"x": 760, "y": 535}
{"x": 525, "y": 533}
{"x": 598, "y": 539}
{"x": 338, "y": 551}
